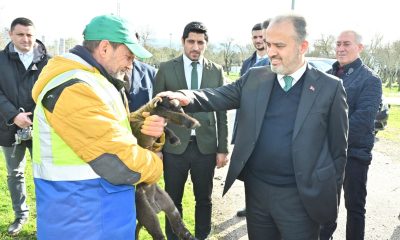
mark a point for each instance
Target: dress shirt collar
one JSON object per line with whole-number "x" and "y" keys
{"x": 296, "y": 75}
{"x": 26, "y": 58}
{"x": 259, "y": 58}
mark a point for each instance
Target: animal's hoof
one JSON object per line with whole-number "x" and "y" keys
{"x": 188, "y": 236}
{"x": 195, "y": 124}
{"x": 192, "y": 124}
{"x": 174, "y": 141}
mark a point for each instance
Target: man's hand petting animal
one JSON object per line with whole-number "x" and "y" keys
{"x": 183, "y": 100}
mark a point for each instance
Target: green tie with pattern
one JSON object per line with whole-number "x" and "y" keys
{"x": 194, "y": 78}
{"x": 288, "y": 82}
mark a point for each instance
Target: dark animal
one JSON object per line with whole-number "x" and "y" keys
{"x": 150, "y": 198}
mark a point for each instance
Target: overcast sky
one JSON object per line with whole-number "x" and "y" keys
{"x": 224, "y": 18}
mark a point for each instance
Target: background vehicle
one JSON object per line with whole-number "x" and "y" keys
{"x": 382, "y": 116}
{"x": 323, "y": 64}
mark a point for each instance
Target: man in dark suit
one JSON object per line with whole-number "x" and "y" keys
{"x": 203, "y": 149}
{"x": 259, "y": 54}
{"x": 139, "y": 87}
{"x": 259, "y": 58}
{"x": 291, "y": 142}
{"x": 139, "y": 83}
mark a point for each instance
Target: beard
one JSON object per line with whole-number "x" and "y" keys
{"x": 278, "y": 69}
{"x": 288, "y": 65}
{"x": 118, "y": 75}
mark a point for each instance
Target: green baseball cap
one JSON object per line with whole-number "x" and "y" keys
{"x": 114, "y": 29}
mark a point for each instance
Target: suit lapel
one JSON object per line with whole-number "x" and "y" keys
{"x": 180, "y": 73}
{"x": 263, "y": 94}
{"x": 206, "y": 76}
{"x": 311, "y": 88}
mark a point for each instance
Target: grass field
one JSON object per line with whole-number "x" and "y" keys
{"x": 232, "y": 77}
{"x": 392, "y": 131}
{"x": 29, "y": 231}
{"x": 391, "y": 92}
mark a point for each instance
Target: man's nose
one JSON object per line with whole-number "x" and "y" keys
{"x": 129, "y": 67}
{"x": 271, "y": 51}
{"x": 196, "y": 46}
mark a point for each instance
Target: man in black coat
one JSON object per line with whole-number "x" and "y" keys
{"x": 21, "y": 62}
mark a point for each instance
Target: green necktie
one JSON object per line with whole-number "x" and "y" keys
{"x": 288, "y": 83}
{"x": 194, "y": 77}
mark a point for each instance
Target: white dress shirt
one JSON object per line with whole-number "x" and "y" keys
{"x": 187, "y": 65}
{"x": 296, "y": 76}
{"x": 26, "y": 58}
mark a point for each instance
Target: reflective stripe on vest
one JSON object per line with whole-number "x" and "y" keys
{"x": 53, "y": 159}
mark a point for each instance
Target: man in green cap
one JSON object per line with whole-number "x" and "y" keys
{"x": 85, "y": 159}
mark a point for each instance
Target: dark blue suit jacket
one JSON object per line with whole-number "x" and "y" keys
{"x": 364, "y": 95}
{"x": 141, "y": 90}
{"x": 248, "y": 63}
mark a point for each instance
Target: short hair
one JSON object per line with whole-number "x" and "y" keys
{"x": 265, "y": 24}
{"x": 357, "y": 36}
{"x": 21, "y": 21}
{"x": 299, "y": 24}
{"x": 256, "y": 27}
{"x": 197, "y": 27}
{"x": 91, "y": 45}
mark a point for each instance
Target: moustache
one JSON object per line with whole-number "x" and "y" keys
{"x": 194, "y": 51}
{"x": 275, "y": 57}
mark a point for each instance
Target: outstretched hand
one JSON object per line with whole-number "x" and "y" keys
{"x": 183, "y": 100}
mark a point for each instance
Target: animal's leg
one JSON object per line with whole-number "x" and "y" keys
{"x": 171, "y": 136}
{"x": 164, "y": 201}
{"x": 138, "y": 228}
{"x": 180, "y": 119}
{"x": 146, "y": 216}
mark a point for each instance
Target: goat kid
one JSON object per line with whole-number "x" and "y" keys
{"x": 150, "y": 198}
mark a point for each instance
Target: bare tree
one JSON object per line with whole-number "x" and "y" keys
{"x": 244, "y": 52}
{"x": 4, "y": 38}
{"x": 228, "y": 50}
{"x": 324, "y": 47}
{"x": 2, "y": 42}
{"x": 396, "y": 65}
{"x": 144, "y": 35}
{"x": 371, "y": 54}
{"x": 213, "y": 54}
{"x": 70, "y": 43}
